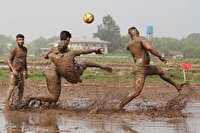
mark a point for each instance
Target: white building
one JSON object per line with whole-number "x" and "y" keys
{"x": 86, "y": 43}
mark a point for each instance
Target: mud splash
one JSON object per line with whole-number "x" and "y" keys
{"x": 175, "y": 104}
{"x": 64, "y": 121}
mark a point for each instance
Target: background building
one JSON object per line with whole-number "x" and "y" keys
{"x": 84, "y": 43}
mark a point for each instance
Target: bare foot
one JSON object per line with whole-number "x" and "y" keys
{"x": 108, "y": 69}
{"x": 181, "y": 85}
{"x": 26, "y": 101}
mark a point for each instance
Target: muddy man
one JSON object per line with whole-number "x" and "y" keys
{"x": 17, "y": 64}
{"x": 64, "y": 65}
{"x": 139, "y": 49}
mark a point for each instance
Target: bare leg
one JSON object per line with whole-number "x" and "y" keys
{"x": 12, "y": 86}
{"x": 20, "y": 90}
{"x": 43, "y": 97}
{"x": 154, "y": 70}
{"x": 9, "y": 93}
{"x": 93, "y": 64}
{"x": 53, "y": 80}
{"x": 177, "y": 85}
{"x": 138, "y": 85}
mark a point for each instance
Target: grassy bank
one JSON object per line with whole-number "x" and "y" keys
{"x": 117, "y": 76}
{"x": 122, "y": 69}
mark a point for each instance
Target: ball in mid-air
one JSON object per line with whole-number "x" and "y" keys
{"x": 88, "y": 18}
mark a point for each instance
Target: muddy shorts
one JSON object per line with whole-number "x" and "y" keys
{"x": 80, "y": 68}
{"x": 140, "y": 70}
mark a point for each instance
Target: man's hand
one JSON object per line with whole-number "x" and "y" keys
{"x": 26, "y": 74}
{"x": 99, "y": 51}
{"x": 163, "y": 59}
{"x": 15, "y": 73}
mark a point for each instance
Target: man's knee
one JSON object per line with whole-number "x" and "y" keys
{"x": 160, "y": 71}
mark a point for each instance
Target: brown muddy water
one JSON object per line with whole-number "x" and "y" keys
{"x": 52, "y": 122}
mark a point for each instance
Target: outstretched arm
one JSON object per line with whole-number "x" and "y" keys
{"x": 88, "y": 51}
{"x": 152, "y": 50}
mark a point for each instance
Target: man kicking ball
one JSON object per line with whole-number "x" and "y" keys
{"x": 64, "y": 65}
{"x": 139, "y": 49}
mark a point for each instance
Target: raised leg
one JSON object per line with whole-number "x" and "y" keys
{"x": 154, "y": 70}
{"x": 93, "y": 64}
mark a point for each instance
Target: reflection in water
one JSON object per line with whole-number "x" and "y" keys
{"x": 17, "y": 122}
{"x": 193, "y": 122}
{"x": 128, "y": 129}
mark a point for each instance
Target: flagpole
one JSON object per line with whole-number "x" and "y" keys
{"x": 184, "y": 76}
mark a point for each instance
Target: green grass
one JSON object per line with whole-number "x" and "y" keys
{"x": 36, "y": 75}
{"x": 4, "y": 73}
{"x": 101, "y": 76}
{"x": 33, "y": 74}
{"x": 118, "y": 76}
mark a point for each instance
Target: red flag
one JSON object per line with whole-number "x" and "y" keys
{"x": 186, "y": 66}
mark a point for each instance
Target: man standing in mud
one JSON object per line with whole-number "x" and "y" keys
{"x": 139, "y": 49}
{"x": 74, "y": 69}
{"x": 17, "y": 64}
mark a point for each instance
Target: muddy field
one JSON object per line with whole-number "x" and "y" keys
{"x": 88, "y": 107}
{"x": 87, "y": 96}
{"x": 159, "y": 102}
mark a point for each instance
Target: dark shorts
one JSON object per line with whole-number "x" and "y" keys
{"x": 80, "y": 68}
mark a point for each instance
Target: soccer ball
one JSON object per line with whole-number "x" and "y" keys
{"x": 88, "y": 18}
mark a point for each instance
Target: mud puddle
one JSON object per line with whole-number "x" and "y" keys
{"x": 57, "y": 122}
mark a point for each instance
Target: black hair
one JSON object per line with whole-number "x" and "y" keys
{"x": 64, "y": 35}
{"x": 133, "y": 28}
{"x": 19, "y": 36}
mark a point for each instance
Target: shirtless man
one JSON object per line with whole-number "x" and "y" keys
{"x": 139, "y": 49}
{"x": 73, "y": 72}
{"x": 17, "y": 64}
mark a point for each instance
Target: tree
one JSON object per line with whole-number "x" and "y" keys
{"x": 35, "y": 46}
{"x": 165, "y": 45}
{"x": 5, "y": 44}
{"x": 125, "y": 40}
{"x": 110, "y": 31}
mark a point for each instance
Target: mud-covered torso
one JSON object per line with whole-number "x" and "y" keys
{"x": 139, "y": 52}
{"x": 18, "y": 58}
{"x": 63, "y": 59}
{"x": 65, "y": 64}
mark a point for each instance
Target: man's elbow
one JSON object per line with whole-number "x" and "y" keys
{"x": 149, "y": 47}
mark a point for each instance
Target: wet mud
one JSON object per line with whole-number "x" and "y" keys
{"x": 157, "y": 106}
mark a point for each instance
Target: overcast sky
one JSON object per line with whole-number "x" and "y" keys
{"x": 35, "y": 18}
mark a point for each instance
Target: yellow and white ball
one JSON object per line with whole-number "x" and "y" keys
{"x": 88, "y": 18}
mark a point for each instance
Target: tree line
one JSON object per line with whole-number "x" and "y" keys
{"x": 110, "y": 31}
